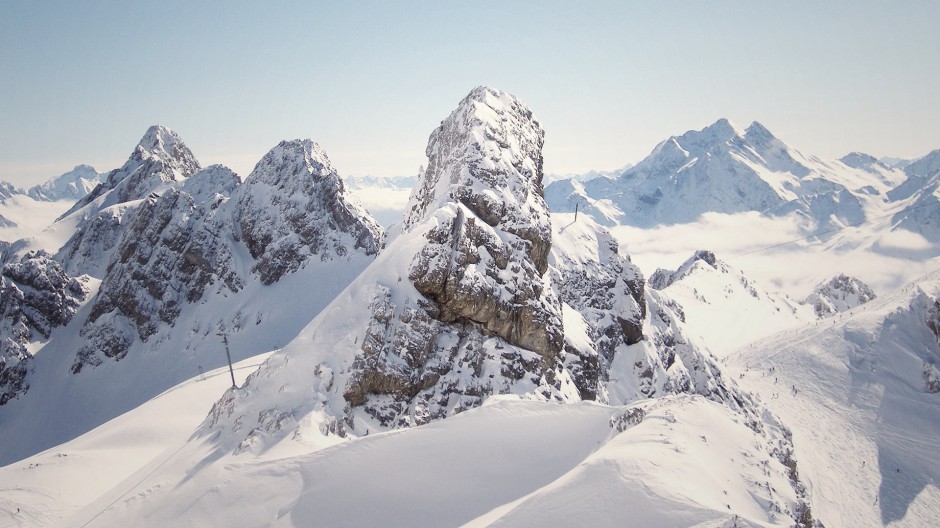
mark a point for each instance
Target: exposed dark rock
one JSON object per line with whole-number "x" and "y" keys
{"x": 36, "y": 296}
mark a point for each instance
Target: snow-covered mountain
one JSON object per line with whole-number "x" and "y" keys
{"x": 173, "y": 255}
{"x": 586, "y": 176}
{"x": 921, "y": 194}
{"x": 725, "y": 169}
{"x": 487, "y": 311}
{"x": 860, "y": 393}
{"x": 723, "y": 306}
{"x": 486, "y": 362}
{"x": 839, "y": 294}
{"x": 73, "y": 185}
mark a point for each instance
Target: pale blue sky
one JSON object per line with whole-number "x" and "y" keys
{"x": 81, "y": 81}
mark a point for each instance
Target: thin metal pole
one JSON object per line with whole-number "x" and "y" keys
{"x": 576, "y": 211}
{"x": 229, "y": 357}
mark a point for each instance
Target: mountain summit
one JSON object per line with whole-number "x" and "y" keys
{"x": 721, "y": 168}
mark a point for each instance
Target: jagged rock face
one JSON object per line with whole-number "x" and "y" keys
{"x": 294, "y": 206}
{"x": 414, "y": 368}
{"x": 839, "y": 294}
{"x": 89, "y": 250}
{"x": 171, "y": 253}
{"x": 603, "y": 293}
{"x": 36, "y": 296}
{"x": 159, "y": 161}
{"x": 486, "y": 258}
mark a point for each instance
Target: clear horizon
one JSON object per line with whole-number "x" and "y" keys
{"x": 607, "y": 80}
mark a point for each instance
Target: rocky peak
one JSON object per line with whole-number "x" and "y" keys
{"x": 159, "y": 159}
{"x": 839, "y": 294}
{"x": 489, "y": 251}
{"x": 161, "y": 143}
{"x": 662, "y": 279}
{"x": 294, "y": 205}
{"x": 487, "y": 156}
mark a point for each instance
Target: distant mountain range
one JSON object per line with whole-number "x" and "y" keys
{"x": 726, "y": 169}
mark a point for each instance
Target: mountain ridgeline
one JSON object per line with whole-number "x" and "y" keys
{"x": 165, "y": 255}
{"x": 726, "y": 169}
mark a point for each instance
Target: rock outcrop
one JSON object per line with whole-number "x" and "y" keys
{"x": 173, "y": 250}
{"x": 36, "y": 296}
{"x": 477, "y": 296}
{"x": 294, "y": 207}
{"x": 838, "y": 294}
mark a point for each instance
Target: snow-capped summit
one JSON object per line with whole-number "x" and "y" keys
{"x": 160, "y": 157}
{"x": 73, "y": 185}
{"x": 486, "y": 155}
{"x": 860, "y": 160}
{"x": 161, "y": 143}
{"x": 725, "y": 169}
{"x": 294, "y": 205}
{"x": 838, "y": 294}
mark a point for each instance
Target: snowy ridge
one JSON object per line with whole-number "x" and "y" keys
{"x": 725, "y": 169}
{"x": 725, "y": 307}
{"x": 860, "y": 393}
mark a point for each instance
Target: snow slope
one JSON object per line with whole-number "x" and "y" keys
{"x": 725, "y": 307}
{"x": 49, "y": 487}
{"x": 857, "y": 391}
{"x": 681, "y": 461}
